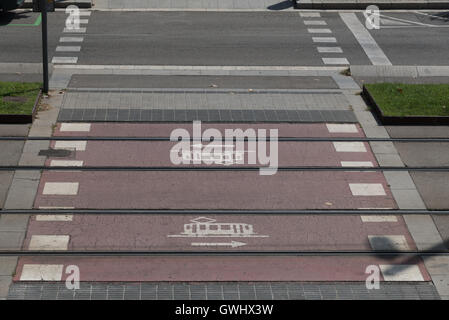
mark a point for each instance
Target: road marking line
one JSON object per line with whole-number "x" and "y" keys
{"x": 313, "y": 30}
{"x": 54, "y": 217}
{"x": 71, "y": 145}
{"x": 85, "y": 127}
{"x": 64, "y": 60}
{"x": 367, "y": 189}
{"x": 401, "y": 272}
{"x": 335, "y": 61}
{"x": 79, "y": 30}
{"x": 49, "y": 242}
{"x": 356, "y": 164}
{"x": 366, "y": 41}
{"x": 61, "y": 188}
{"x": 324, "y": 39}
{"x": 68, "y": 49}
{"x": 373, "y": 218}
{"x": 349, "y": 146}
{"x": 329, "y": 50}
{"x": 341, "y": 128}
{"x": 310, "y": 14}
{"x": 388, "y": 242}
{"x": 315, "y": 23}
{"x": 66, "y": 163}
{"x": 71, "y": 39}
{"x": 84, "y": 13}
{"x": 41, "y": 272}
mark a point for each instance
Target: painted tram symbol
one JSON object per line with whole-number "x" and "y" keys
{"x": 206, "y": 227}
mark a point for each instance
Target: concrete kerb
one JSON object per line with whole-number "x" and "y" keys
{"x": 398, "y": 71}
{"x": 362, "y": 4}
{"x": 23, "y": 189}
{"x": 33, "y": 68}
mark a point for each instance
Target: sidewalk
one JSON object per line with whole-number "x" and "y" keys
{"x": 363, "y": 4}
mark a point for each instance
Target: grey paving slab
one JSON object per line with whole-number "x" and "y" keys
{"x": 433, "y": 188}
{"x": 14, "y": 130}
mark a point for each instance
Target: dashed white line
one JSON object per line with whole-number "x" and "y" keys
{"x": 71, "y": 39}
{"x": 315, "y": 23}
{"x": 367, "y": 189}
{"x": 341, "y": 128}
{"x": 54, "y": 217}
{"x": 319, "y": 30}
{"x": 335, "y": 60}
{"x": 66, "y": 163}
{"x": 388, "y": 242}
{"x": 329, "y": 50}
{"x": 71, "y": 145}
{"x": 324, "y": 39}
{"x": 81, "y": 127}
{"x": 78, "y": 30}
{"x": 401, "y": 272}
{"x": 64, "y": 60}
{"x": 310, "y": 14}
{"x": 41, "y": 272}
{"x": 61, "y": 188}
{"x": 376, "y": 218}
{"x": 49, "y": 242}
{"x": 68, "y": 49}
{"x": 349, "y": 146}
{"x": 356, "y": 164}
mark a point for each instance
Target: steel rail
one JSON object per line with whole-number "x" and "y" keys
{"x": 217, "y": 168}
{"x": 245, "y": 253}
{"x": 281, "y": 139}
{"x": 75, "y": 211}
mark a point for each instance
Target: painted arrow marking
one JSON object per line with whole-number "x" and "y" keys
{"x": 233, "y": 244}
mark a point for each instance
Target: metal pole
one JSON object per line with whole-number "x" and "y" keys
{"x": 44, "y": 44}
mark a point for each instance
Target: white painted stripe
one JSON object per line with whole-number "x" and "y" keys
{"x": 335, "y": 61}
{"x": 84, "y": 13}
{"x": 71, "y": 39}
{"x": 41, "y": 272}
{"x": 341, "y": 128}
{"x": 366, "y": 41}
{"x": 357, "y": 164}
{"x": 312, "y": 30}
{"x": 66, "y": 163}
{"x": 329, "y": 50}
{"x": 315, "y": 23}
{"x": 324, "y": 39}
{"x": 79, "y": 30}
{"x": 374, "y": 218}
{"x": 84, "y": 21}
{"x": 85, "y": 127}
{"x": 49, "y": 242}
{"x": 401, "y": 272}
{"x": 349, "y": 146}
{"x": 54, "y": 217}
{"x": 68, "y": 48}
{"x": 71, "y": 145}
{"x": 64, "y": 60}
{"x": 51, "y": 207}
{"x": 367, "y": 189}
{"x": 310, "y": 14}
{"x": 61, "y": 188}
{"x": 388, "y": 242}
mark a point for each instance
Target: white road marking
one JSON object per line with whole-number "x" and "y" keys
{"x": 66, "y": 163}
{"x": 320, "y": 30}
{"x": 356, "y": 164}
{"x": 233, "y": 244}
{"x": 64, "y": 60}
{"x": 41, "y": 272}
{"x": 71, "y": 145}
{"x": 84, "y": 127}
{"x": 335, "y": 61}
{"x": 401, "y": 272}
{"x": 54, "y": 217}
{"x": 85, "y": 13}
{"x": 388, "y": 242}
{"x": 366, "y": 41}
{"x": 315, "y": 23}
{"x": 329, "y": 50}
{"x": 61, "y": 188}
{"x": 71, "y": 39}
{"x": 68, "y": 49}
{"x": 310, "y": 14}
{"x": 349, "y": 146}
{"x": 324, "y": 39}
{"x": 49, "y": 242}
{"x": 79, "y": 30}
{"x": 341, "y": 128}
{"x": 375, "y": 218}
{"x": 367, "y": 189}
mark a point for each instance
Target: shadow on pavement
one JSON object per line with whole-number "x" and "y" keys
{"x": 281, "y": 5}
{"x": 7, "y": 17}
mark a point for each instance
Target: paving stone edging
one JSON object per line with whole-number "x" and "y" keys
{"x": 398, "y": 71}
{"x": 421, "y": 227}
{"x": 362, "y": 4}
{"x": 23, "y": 189}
